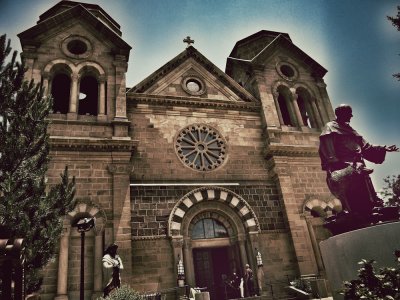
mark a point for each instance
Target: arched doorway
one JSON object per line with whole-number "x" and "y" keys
{"x": 215, "y": 231}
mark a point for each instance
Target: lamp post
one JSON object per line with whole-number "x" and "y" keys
{"x": 260, "y": 271}
{"x": 83, "y": 225}
{"x": 181, "y": 272}
{"x": 259, "y": 259}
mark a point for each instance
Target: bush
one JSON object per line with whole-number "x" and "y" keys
{"x": 372, "y": 284}
{"x": 123, "y": 293}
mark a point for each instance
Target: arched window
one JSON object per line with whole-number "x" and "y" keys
{"x": 285, "y": 109}
{"x": 209, "y": 229}
{"x": 60, "y": 90}
{"x": 88, "y": 96}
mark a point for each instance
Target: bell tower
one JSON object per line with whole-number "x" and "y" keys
{"x": 77, "y": 52}
{"x": 294, "y": 108}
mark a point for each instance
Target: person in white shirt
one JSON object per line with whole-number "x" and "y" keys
{"x": 112, "y": 264}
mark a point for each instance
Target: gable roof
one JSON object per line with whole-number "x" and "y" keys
{"x": 53, "y": 18}
{"x": 191, "y": 52}
{"x": 281, "y": 40}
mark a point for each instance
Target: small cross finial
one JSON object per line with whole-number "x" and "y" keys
{"x": 188, "y": 40}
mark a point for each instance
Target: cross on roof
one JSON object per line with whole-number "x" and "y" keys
{"x": 188, "y": 41}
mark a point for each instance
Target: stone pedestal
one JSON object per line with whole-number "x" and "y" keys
{"x": 341, "y": 253}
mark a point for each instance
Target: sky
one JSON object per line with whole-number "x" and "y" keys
{"x": 352, "y": 39}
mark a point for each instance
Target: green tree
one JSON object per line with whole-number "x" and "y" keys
{"x": 391, "y": 190}
{"x": 383, "y": 284}
{"x": 396, "y": 23}
{"x": 27, "y": 209}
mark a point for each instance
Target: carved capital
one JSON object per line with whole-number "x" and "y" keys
{"x": 120, "y": 168}
{"x": 177, "y": 242}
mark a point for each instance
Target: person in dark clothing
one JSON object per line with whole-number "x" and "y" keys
{"x": 248, "y": 282}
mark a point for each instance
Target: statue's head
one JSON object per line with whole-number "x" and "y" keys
{"x": 343, "y": 113}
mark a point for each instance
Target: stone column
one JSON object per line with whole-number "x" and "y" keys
{"x": 46, "y": 77}
{"x": 102, "y": 99}
{"x": 73, "y": 102}
{"x": 314, "y": 243}
{"x": 121, "y": 66}
{"x": 299, "y": 118}
{"x": 243, "y": 252}
{"x": 177, "y": 244}
{"x": 29, "y": 56}
{"x": 97, "y": 265}
{"x": 121, "y": 209}
{"x": 62, "y": 278}
{"x": 278, "y": 109}
{"x": 268, "y": 103}
{"x": 326, "y": 109}
{"x": 188, "y": 260}
{"x": 297, "y": 225}
{"x": 317, "y": 115}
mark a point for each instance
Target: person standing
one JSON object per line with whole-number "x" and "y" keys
{"x": 112, "y": 264}
{"x": 248, "y": 282}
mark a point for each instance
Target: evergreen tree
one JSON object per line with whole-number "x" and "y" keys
{"x": 27, "y": 209}
{"x": 391, "y": 191}
{"x": 396, "y": 23}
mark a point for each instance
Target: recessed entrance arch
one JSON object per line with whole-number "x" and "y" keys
{"x": 217, "y": 254}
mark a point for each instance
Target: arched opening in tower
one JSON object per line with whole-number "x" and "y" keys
{"x": 88, "y": 96}
{"x": 60, "y": 90}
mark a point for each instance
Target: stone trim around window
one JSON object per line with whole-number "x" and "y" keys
{"x": 200, "y": 147}
{"x": 193, "y": 85}
{"x": 76, "y": 46}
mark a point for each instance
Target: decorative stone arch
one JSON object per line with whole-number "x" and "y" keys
{"x": 216, "y": 203}
{"x": 234, "y": 201}
{"x": 87, "y": 209}
{"x": 57, "y": 81}
{"x": 60, "y": 61}
{"x": 83, "y": 208}
{"x": 323, "y": 208}
{"x": 89, "y": 65}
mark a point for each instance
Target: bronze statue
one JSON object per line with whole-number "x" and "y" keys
{"x": 343, "y": 151}
{"x": 112, "y": 264}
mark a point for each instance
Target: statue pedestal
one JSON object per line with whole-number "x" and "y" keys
{"x": 341, "y": 253}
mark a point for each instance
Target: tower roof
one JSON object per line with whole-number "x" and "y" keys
{"x": 95, "y": 9}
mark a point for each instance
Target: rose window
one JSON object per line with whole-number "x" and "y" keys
{"x": 201, "y": 147}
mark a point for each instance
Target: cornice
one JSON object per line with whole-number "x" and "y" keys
{"x": 191, "y": 102}
{"x": 92, "y": 144}
{"x": 290, "y": 150}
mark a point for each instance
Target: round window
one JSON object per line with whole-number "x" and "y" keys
{"x": 193, "y": 85}
{"x": 77, "y": 47}
{"x": 200, "y": 147}
{"x": 287, "y": 71}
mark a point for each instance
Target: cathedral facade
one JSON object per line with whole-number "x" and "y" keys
{"x": 193, "y": 166}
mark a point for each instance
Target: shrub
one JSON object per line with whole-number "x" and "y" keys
{"x": 124, "y": 293}
{"x": 372, "y": 284}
